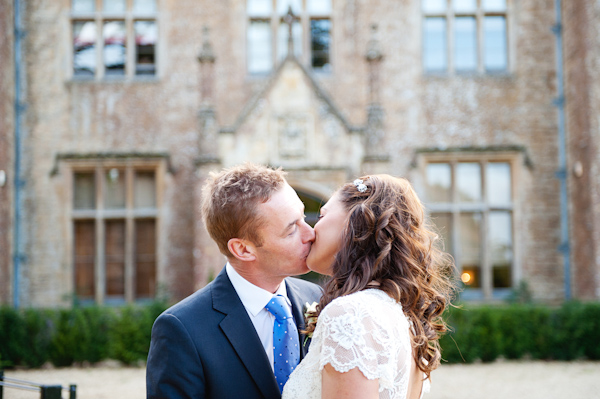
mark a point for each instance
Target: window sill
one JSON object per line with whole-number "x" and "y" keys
{"x": 476, "y": 295}
{"x": 261, "y": 76}
{"x": 467, "y": 75}
{"x": 114, "y": 80}
{"x": 321, "y": 74}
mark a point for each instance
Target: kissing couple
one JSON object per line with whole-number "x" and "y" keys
{"x": 254, "y": 332}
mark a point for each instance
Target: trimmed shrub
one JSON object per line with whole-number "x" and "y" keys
{"x": 38, "y": 324}
{"x": 13, "y": 336}
{"x": 522, "y": 331}
{"x": 130, "y": 342}
{"x": 33, "y": 337}
{"x": 478, "y": 333}
{"x": 70, "y": 336}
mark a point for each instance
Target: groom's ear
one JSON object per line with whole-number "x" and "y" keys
{"x": 243, "y": 250}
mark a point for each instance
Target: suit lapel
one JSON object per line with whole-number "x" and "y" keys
{"x": 295, "y": 298}
{"x": 240, "y": 332}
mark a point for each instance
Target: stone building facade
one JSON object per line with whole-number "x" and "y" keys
{"x": 130, "y": 104}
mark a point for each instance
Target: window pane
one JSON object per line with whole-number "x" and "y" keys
{"x": 144, "y": 6}
{"x": 443, "y": 225}
{"x": 498, "y": 183}
{"x": 320, "y": 41}
{"x": 83, "y": 6}
{"x": 432, "y": 6}
{"x": 84, "y": 191}
{"x": 464, "y": 5}
{"x": 114, "y": 36}
{"x": 470, "y": 249}
{"x": 501, "y": 248}
{"x": 145, "y": 258}
{"x": 145, "y": 47}
{"x": 85, "y": 254}
{"x": 434, "y": 43}
{"x": 114, "y": 6}
{"x": 144, "y": 190}
{"x": 284, "y": 5}
{"x": 260, "y": 8}
{"x": 84, "y": 48}
{"x": 115, "y": 258}
{"x": 318, "y": 7}
{"x": 465, "y": 46}
{"x": 494, "y": 5}
{"x": 114, "y": 189}
{"x": 494, "y": 40}
{"x": 259, "y": 47}
{"x": 282, "y": 38}
{"x": 468, "y": 181}
{"x": 438, "y": 182}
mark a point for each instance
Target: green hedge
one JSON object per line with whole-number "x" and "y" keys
{"x": 33, "y": 337}
{"x": 523, "y": 331}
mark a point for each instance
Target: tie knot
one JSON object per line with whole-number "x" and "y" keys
{"x": 279, "y": 308}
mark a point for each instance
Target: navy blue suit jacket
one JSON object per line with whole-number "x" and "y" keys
{"x": 206, "y": 346}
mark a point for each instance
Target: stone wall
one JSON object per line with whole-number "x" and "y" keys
{"x": 581, "y": 47}
{"x": 6, "y": 147}
{"x": 594, "y": 67}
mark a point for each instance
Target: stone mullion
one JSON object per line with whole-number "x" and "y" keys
{"x": 455, "y": 218}
{"x": 305, "y": 42}
{"x": 129, "y": 236}
{"x": 99, "y": 41}
{"x": 450, "y": 38}
{"x": 130, "y": 43}
{"x": 486, "y": 264}
{"x": 479, "y": 20}
{"x": 274, "y": 31}
{"x": 100, "y": 260}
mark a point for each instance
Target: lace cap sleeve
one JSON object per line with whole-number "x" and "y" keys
{"x": 359, "y": 333}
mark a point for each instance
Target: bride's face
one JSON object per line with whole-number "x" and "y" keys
{"x": 328, "y": 236}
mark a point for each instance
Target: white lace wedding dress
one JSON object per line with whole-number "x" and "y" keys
{"x": 368, "y": 330}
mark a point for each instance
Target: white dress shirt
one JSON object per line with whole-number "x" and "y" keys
{"x": 254, "y": 300}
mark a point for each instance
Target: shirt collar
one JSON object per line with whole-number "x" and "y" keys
{"x": 253, "y": 297}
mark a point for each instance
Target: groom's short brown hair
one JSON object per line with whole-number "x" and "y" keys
{"x": 230, "y": 200}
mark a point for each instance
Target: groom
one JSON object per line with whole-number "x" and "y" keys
{"x": 219, "y": 342}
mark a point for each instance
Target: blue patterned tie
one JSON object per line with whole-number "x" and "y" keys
{"x": 286, "y": 349}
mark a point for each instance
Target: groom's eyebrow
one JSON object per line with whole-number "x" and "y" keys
{"x": 289, "y": 226}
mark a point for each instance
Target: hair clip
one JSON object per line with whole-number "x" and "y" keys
{"x": 360, "y": 186}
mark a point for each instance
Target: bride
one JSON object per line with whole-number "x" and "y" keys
{"x": 375, "y": 331}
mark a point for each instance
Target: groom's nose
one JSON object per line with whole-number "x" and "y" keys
{"x": 308, "y": 234}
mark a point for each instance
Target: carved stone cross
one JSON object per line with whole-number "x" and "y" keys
{"x": 289, "y": 19}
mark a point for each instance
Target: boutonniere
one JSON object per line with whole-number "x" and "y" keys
{"x": 310, "y": 317}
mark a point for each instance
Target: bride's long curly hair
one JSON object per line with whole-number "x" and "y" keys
{"x": 388, "y": 244}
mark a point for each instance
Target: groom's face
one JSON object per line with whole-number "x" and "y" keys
{"x": 286, "y": 238}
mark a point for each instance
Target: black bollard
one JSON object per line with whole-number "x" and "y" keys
{"x": 51, "y": 391}
{"x": 1, "y": 386}
{"x": 72, "y": 392}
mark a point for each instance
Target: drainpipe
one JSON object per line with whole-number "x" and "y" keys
{"x": 564, "y": 247}
{"x": 19, "y": 33}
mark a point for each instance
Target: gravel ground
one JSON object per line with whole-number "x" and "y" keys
{"x": 500, "y": 380}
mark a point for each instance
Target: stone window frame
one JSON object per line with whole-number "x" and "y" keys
{"x": 99, "y": 167}
{"x": 479, "y": 15}
{"x": 276, "y": 21}
{"x": 515, "y": 158}
{"x": 129, "y": 17}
